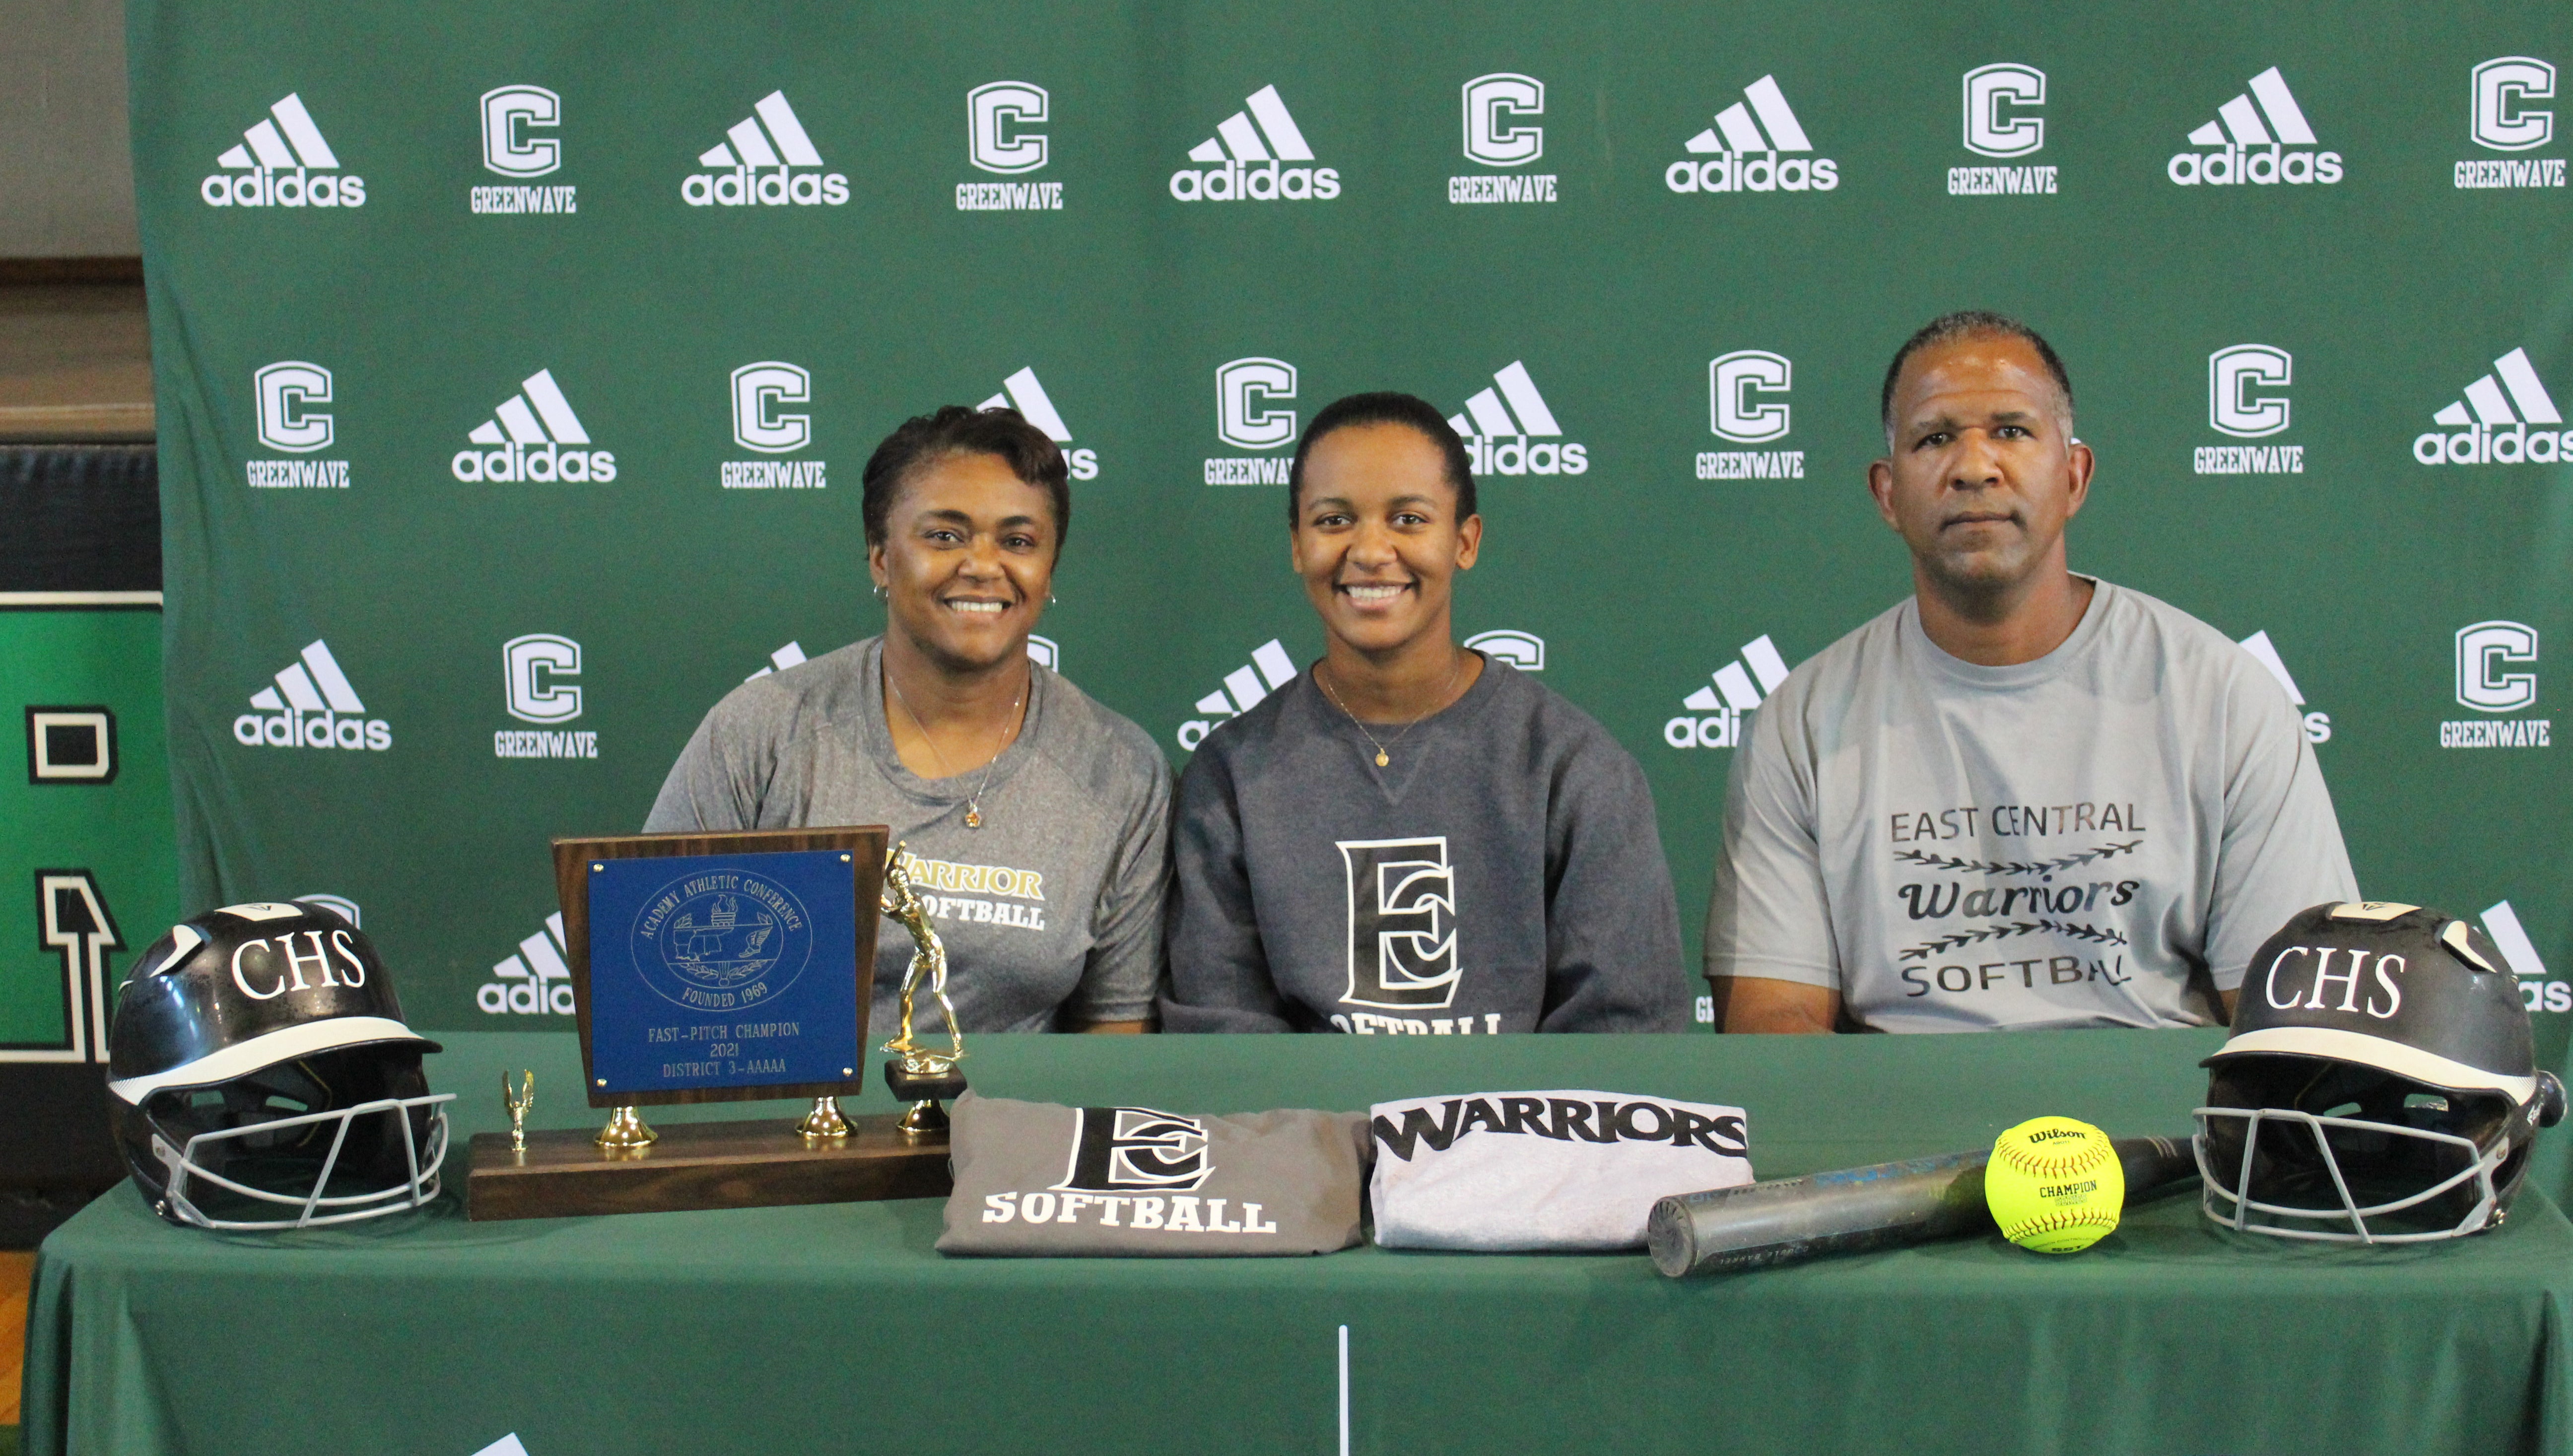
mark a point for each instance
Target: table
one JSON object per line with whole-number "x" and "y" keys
{"x": 838, "y": 1328}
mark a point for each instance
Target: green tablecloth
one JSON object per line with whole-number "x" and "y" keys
{"x": 838, "y": 1329}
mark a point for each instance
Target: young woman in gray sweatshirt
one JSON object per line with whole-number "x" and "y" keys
{"x": 1411, "y": 837}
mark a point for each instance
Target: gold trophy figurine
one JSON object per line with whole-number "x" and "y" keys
{"x": 919, "y": 1076}
{"x": 519, "y": 1103}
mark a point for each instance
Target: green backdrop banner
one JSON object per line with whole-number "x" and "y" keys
{"x": 516, "y": 364}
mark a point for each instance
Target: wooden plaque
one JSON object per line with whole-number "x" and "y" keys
{"x": 565, "y": 1173}
{"x": 866, "y": 844}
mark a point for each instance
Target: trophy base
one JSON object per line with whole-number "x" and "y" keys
{"x": 924, "y": 1090}
{"x": 825, "y": 1120}
{"x": 564, "y": 1173}
{"x": 923, "y": 1086}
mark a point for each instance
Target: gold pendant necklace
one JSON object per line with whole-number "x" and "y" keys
{"x": 974, "y": 800}
{"x": 1383, "y": 754}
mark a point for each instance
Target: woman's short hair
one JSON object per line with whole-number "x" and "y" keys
{"x": 958, "y": 429}
{"x": 1386, "y": 407}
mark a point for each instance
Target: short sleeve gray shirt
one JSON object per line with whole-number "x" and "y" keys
{"x": 2098, "y": 837}
{"x": 1050, "y": 912}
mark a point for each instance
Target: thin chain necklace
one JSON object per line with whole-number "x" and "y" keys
{"x": 974, "y": 800}
{"x": 1383, "y": 754}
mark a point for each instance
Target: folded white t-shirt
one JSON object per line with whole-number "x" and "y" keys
{"x": 1501, "y": 1172}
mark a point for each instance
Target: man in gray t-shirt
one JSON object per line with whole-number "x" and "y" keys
{"x": 2021, "y": 798}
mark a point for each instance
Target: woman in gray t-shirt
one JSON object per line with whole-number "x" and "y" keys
{"x": 1035, "y": 820}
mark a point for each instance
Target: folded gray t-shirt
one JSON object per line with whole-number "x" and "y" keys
{"x": 1042, "y": 1179}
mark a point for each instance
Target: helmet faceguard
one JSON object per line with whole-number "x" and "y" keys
{"x": 335, "y": 1137}
{"x": 2304, "y": 1148}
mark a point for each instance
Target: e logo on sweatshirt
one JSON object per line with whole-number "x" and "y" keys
{"x": 1402, "y": 922}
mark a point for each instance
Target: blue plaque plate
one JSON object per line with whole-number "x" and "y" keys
{"x": 722, "y": 970}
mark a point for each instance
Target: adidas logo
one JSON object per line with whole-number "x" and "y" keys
{"x": 2318, "y": 725}
{"x": 2492, "y": 421}
{"x": 1714, "y": 717}
{"x": 280, "y": 154}
{"x": 2240, "y": 136}
{"x": 1746, "y": 152}
{"x": 760, "y": 422}
{"x": 520, "y": 140}
{"x": 1246, "y": 149}
{"x": 534, "y": 981}
{"x": 2505, "y": 122}
{"x": 529, "y": 429}
{"x": 1247, "y": 392}
{"x": 1740, "y": 407}
{"x": 2513, "y": 938}
{"x": 2242, "y": 400}
{"x": 1497, "y": 434}
{"x": 996, "y": 118}
{"x": 312, "y": 706}
{"x": 1522, "y": 650}
{"x": 287, "y": 392}
{"x": 2001, "y": 121}
{"x": 1498, "y": 133}
{"x": 790, "y": 655}
{"x": 1023, "y": 392}
{"x": 1269, "y": 669}
{"x": 769, "y": 136}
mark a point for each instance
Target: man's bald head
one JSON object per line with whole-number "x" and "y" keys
{"x": 1973, "y": 324}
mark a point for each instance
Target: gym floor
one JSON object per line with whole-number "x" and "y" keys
{"x": 16, "y": 1268}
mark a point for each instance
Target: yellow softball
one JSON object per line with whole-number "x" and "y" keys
{"x": 2055, "y": 1185}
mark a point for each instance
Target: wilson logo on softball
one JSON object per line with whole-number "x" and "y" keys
{"x": 1502, "y": 131}
{"x": 1403, "y": 924}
